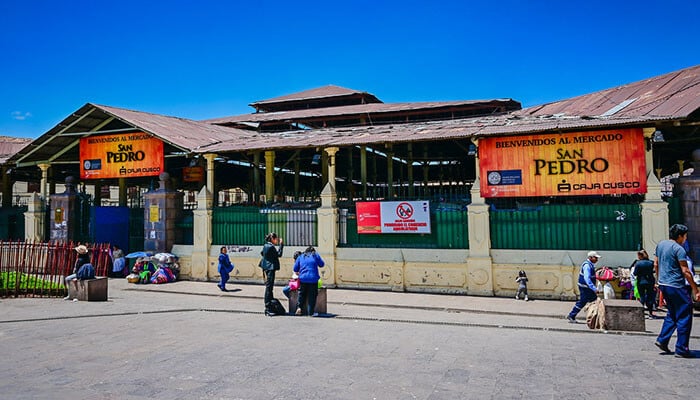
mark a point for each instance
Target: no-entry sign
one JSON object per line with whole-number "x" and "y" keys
{"x": 393, "y": 217}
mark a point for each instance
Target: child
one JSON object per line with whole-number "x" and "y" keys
{"x": 225, "y": 268}
{"x": 522, "y": 285}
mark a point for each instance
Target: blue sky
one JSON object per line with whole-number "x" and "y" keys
{"x": 205, "y": 59}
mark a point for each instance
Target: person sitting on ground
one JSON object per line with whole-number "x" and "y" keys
{"x": 83, "y": 258}
{"x": 307, "y": 266}
{"x": 522, "y": 285}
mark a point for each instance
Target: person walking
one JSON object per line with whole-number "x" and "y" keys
{"x": 673, "y": 274}
{"x": 270, "y": 263}
{"x": 307, "y": 265}
{"x": 586, "y": 285}
{"x": 643, "y": 271}
{"x": 225, "y": 268}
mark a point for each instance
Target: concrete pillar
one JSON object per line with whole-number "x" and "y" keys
{"x": 479, "y": 262}
{"x": 34, "y": 219}
{"x": 269, "y": 176}
{"x": 327, "y": 216}
{"x": 654, "y": 209}
{"x": 330, "y": 151}
{"x": 44, "y": 190}
{"x": 210, "y": 157}
{"x": 202, "y": 231}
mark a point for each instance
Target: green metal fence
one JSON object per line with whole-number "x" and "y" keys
{"x": 246, "y": 225}
{"x": 448, "y": 231}
{"x": 564, "y": 226}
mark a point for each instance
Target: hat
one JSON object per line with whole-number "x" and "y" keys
{"x": 81, "y": 249}
{"x": 593, "y": 254}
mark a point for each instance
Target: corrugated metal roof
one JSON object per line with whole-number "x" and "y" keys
{"x": 316, "y": 93}
{"x": 11, "y": 145}
{"x": 423, "y": 131}
{"x": 672, "y": 95}
{"x": 181, "y": 132}
{"x": 372, "y": 108}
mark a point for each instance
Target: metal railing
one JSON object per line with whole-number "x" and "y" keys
{"x": 241, "y": 225}
{"x": 38, "y": 269}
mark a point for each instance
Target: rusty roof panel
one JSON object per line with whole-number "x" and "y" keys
{"x": 184, "y": 133}
{"x": 672, "y": 95}
{"x": 359, "y": 109}
{"x": 316, "y": 93}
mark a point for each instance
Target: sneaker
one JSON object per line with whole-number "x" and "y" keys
{"x": 663, "y": 347}
{"x": 298, "y": 312}
{"x": 75, "y": 300}
{"x": 66, "y": 298}
{"x": 526, "y": 298}
{"x": 517, "y": 298}
{"x": 223, "y": 289}
{"x": 571, "y": 319}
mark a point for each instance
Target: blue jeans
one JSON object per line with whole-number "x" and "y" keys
{"x": 679, "y": 317}
{"x": 587, "y": 296}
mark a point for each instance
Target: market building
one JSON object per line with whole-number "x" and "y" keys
{"x": 446, "y": 197}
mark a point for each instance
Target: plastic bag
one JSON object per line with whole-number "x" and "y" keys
{"x": 608, "y": 291}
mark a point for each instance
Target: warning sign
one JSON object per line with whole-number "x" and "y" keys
{"x": 393, "y": 217}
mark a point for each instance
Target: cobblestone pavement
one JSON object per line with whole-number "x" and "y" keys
{"x": 189, "y": 341}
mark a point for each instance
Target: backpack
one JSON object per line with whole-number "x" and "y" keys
{"x": 275, "y": 308}
{"x": 86, "y": 271}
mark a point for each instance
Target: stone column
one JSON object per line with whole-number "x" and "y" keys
{"x": 34, "y": 219}
{"x": 479, "y": 262}
{"x": 331, "y": 166}
{"x": 210, "y": 175}
{"x": 44, "y": 190}
{"x": 327, "y": 216}
{"x": 202, "y": 236}
{"x": 654, "y": 209}
{"x": 269, "y": 176}
{"x": 162, "y": 209}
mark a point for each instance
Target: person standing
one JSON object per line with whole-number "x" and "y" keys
{"x": 270, "y": 263}
{"x": 225, "y": 268}
{"x": 119, "y": 269}
{"x": 643, "y": 271}
{"x": 673, "y": 273}
{"x": 307, "y": 266}
{"x": 586, "y": 285}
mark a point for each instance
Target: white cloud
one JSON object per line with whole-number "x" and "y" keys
{"x": 21, "y": 116}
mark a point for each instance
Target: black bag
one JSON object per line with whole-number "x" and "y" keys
{"x": 87, "y": 271}
{"x": 275, "y": 308}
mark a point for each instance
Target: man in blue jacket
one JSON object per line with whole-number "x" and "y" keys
{"x": 586, "y": 285}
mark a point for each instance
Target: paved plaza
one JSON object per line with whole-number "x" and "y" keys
{"x": 187, "y": 340}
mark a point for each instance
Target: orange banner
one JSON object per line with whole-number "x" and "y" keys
{"x": 121, "y": 156}
{"x": 571, "y": 164}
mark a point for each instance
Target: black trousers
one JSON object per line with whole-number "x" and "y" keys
{"x": 269, "y": 285}
{"x": 308, "y": 292}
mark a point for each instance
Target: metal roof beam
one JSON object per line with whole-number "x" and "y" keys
{"x": 77, "y": 141}
{"x": 50, "y": 139}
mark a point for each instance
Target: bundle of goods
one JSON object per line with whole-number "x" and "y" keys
{"x": 143, "y": 269}
{"x": 168, "y": 269}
